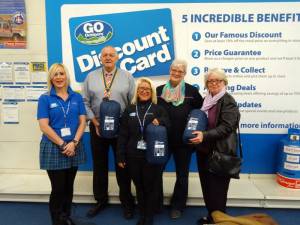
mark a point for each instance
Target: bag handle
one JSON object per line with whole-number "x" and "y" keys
{"x": 240, "y": 142}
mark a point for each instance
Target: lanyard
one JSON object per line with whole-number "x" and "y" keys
{"x": 140, "y": 122}
{"x": 65, "y": 112}
{"x": 112, "y": 80}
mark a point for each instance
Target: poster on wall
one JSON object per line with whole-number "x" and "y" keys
{"x": 255, "y": 42}
{"x": 38, "y": 72}
{"x": 248, "y": 44}
{"x": 12, "y": 24}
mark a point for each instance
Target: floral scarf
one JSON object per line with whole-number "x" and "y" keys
{"x": 175, "y": 95}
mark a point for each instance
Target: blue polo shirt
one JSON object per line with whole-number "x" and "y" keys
{"x": 54, "y": 108}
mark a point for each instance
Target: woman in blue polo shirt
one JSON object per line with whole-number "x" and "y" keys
{"x": 62, "y": 119}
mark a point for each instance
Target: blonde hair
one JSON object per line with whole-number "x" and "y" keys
{"x": 219, "y": 73}
{"x": 51, "y": 72}
{"x": 153, "y": 90}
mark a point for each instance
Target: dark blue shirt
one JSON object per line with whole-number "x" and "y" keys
{"x": 53, "y": 107}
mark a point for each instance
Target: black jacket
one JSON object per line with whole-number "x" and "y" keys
{"x": 130, "y": 132}
{"x": 178, "y": 114}
{"x": 223, "y": 137}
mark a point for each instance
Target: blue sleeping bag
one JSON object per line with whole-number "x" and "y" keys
{"x": 157, "y": 144}
{"x": 110, "y": 111}
{"x": 197, "y": 120}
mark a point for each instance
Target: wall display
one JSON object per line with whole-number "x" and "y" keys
{"x": 6, "y": 73}
{"x": 12, "y": 24}
{"x": 16, "y": 77}
{"x": 38, "y": 72}
{"x": 13, "y": 93}
{"x": 256, "y": 43}
{"x": 10, "y": 113}
{"x": 34, "y": 92}
{"x": 21, "y": 73}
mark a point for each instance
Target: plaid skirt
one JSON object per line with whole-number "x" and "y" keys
{"x": 51, "y": 157}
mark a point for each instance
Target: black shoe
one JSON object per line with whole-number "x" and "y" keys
{"x": 175, "y": 214}
{"x": 158, "y": 210}
{"x": 69, "y": 221}
{"x": 65, "y": 220}
{"x": 141, "y": 221}
{"x": 128, "y": 214}
{"x": 203, "y": 220}
{"x": 96, "y": 209}
{"x": 148, "y": 221}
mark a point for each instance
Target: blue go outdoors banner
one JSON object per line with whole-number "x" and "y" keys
{"x": 144, "y": 51}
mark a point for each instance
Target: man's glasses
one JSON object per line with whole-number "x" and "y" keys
{"x": 112, "y": 55}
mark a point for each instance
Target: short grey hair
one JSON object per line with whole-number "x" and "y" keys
{"x": 179, "y": 62}
{"x": 220, "y": 73}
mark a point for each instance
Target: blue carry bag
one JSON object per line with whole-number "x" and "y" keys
{"x": 110, "y": 112}
{"x": 197, "y": 120}
{"x": 157, "y": 144}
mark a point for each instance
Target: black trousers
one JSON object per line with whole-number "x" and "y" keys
{"x": 60, "y": 202}
{"x": 145, "y": 177}
{"x": 214, "y": 187}
{"x": 100, "y": 149}
{"x": 182, "y": 158}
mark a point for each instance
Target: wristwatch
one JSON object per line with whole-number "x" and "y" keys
{"x": 75, "y": 141}
{"x": 62, "y": 146}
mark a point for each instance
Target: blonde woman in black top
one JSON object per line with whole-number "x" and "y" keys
{"x": 132, "y": 146}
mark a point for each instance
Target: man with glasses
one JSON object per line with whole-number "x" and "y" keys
{"x": 107, "y": 83}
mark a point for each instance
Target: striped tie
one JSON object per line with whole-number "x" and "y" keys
{"x": 108, "y": 80}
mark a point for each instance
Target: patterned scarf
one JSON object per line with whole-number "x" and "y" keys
{"x": 174, "y": 94}
{"x": 210, "y": 101}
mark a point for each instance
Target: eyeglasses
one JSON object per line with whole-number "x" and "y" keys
{"x": 111, "y": 55}
{"x": 144, "y": 89}
{"x": 177, "y": 71}
{"x": 214, "y": 81}
{"x": 59, "y": 73}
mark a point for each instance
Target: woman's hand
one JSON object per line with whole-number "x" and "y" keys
{"x": 122, "y": 165}
{"x": 198, "y": 139}
{"x": 98, "y": 130}
{"x": 96, "y": 125}
{"x": 69, "y": 149}
{"x": 155, "y": 122}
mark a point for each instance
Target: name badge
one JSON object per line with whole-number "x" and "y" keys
{"x": 133, "y": 114}
{"x": 192, "y": 124}
{"x": 159, "y": 149}
{"x": 142, "y": 145}
{"x": 53, "y": 105}
{"x": 65, "y": 131}
{"x": 109, "y": 123}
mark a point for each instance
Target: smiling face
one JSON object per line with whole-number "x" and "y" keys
{"x": 214, "y": 84}
{"x": 109, "y": 58}
{"x": 144, "y": 91}
{"x": 59, "y": 78}
{"x": 177, "y": 74}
